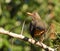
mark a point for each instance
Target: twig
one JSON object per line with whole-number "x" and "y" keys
{"x": 22, "y": 27}
{"x": 2, "y": 31}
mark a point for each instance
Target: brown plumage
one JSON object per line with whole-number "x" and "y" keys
{"x": 37, "y": 26}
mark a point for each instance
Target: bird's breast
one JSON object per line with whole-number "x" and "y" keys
{"x": 38, "y": 33}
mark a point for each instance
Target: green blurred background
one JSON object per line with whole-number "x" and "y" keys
{"x": 12, "y": 15}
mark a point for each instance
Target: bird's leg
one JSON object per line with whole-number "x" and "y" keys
{"x": 41, "y": 38}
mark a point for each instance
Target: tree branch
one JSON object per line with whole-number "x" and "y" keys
{"x": 2, "y": 31}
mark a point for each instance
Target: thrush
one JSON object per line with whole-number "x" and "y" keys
{"x": 37, "y": 27}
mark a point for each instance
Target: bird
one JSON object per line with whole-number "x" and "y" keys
{"x": 37, "y": 27}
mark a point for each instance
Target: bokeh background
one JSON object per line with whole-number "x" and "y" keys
{"x": 14, "y": 12}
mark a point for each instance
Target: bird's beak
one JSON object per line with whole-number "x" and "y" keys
{"x": 29, "y": 13}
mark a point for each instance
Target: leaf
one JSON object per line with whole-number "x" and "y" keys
{"x": 1, "y": 42}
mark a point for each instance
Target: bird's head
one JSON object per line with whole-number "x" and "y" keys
{"x": 34, "y": 15}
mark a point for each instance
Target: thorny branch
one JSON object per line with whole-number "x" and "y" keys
{"x": 32, "y": 41}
